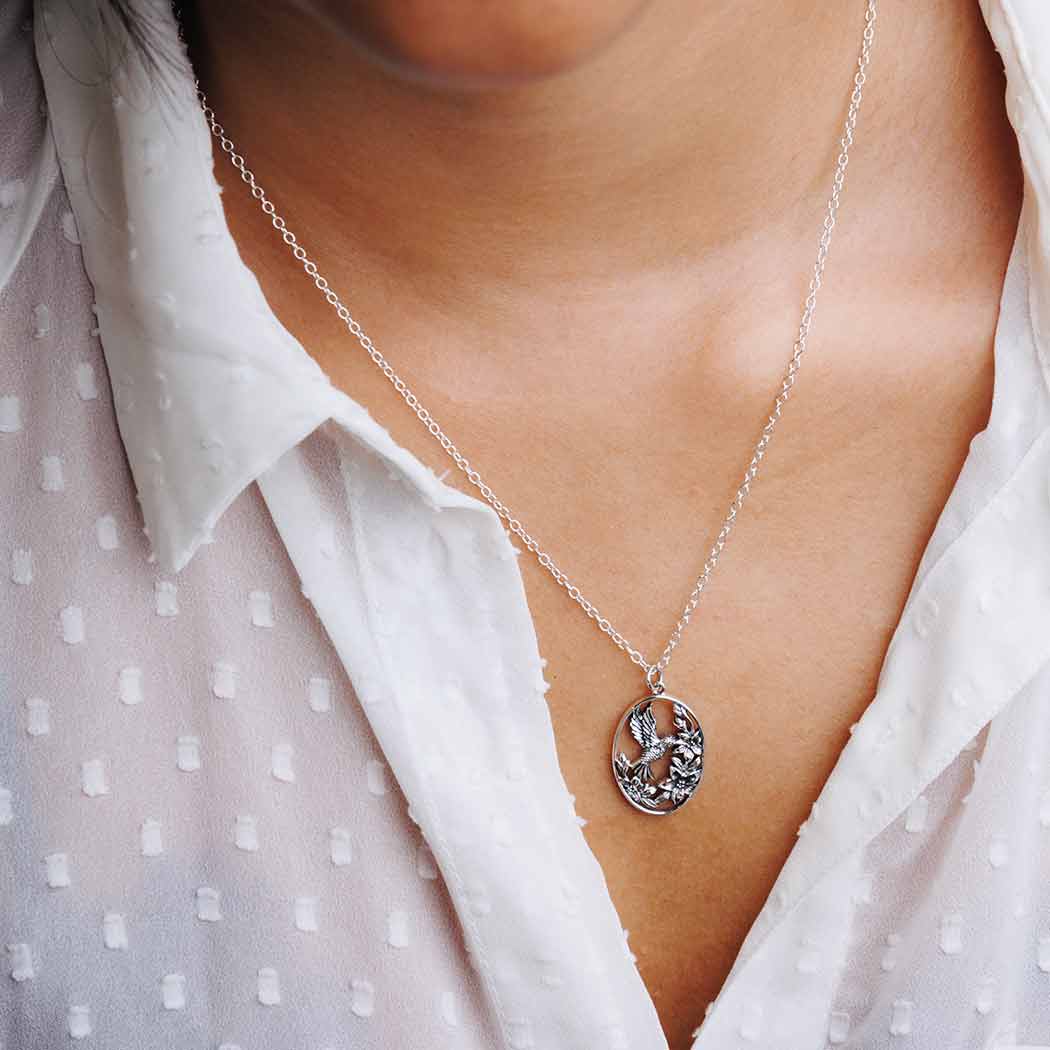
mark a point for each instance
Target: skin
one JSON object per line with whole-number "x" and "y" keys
{"x": 586, "y": 250}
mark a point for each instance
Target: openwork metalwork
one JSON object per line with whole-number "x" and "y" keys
{"x": 669, "y": 763}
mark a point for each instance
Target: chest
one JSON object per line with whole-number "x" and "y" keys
{"x": 779, "y": 661}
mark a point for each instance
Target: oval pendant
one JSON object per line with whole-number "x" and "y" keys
{"x": 668, "y": 747}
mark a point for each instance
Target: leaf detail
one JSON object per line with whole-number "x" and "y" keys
{"x": 681, "y": 718}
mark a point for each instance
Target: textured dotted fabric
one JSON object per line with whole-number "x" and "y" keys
{"x": 247, "y": 641}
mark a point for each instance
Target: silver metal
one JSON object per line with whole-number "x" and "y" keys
{"x": 653, "y": 670}
{"x": 655, "y": 677}
{"x": 681, "y": 753}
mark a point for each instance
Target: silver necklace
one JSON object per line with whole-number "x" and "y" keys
{"x": 679, "y": 748}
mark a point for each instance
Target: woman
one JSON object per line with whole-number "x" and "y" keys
{"x": 282, "y": 763}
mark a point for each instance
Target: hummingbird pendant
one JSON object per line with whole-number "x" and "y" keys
{"x": 670, "y": 761}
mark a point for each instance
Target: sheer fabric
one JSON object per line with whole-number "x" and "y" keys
{"x": 246, "y": 638}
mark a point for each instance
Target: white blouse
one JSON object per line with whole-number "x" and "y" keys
{"x": 227, "y": 820}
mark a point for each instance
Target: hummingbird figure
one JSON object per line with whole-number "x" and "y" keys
{"x": 642, "y": 725}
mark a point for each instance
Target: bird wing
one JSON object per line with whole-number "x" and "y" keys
{"x": 642, "y": 725}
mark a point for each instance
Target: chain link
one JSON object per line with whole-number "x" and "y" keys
{"x": 653, "y": 671}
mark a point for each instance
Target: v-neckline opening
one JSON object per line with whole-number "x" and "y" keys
{"x": 1015, "y": 273}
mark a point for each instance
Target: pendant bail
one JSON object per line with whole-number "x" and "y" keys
{"x": 655, "y": 677}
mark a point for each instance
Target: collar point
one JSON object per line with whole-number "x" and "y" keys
{"x": 172, "y": 555}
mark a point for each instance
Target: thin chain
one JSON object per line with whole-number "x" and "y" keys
{"x": 653, "y": 671}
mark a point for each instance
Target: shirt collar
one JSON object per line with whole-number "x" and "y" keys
{"x": 209, "y": 389}
{"x": 1020, "y": 30}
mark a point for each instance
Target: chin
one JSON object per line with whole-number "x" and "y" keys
{"x": 478, "y": 42}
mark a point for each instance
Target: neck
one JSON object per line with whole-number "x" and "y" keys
{"x": 698, "y": 145}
